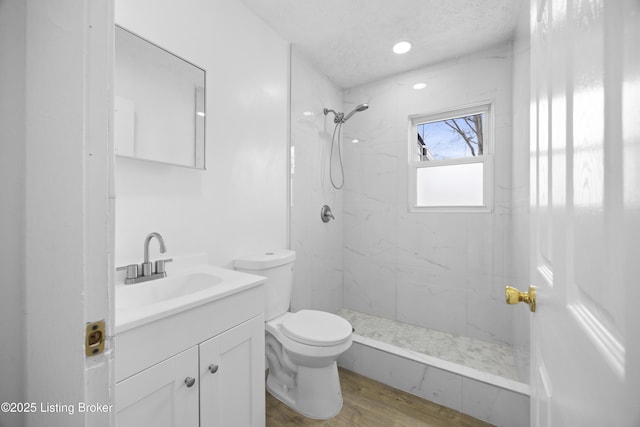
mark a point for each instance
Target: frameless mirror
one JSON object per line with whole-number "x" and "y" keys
{"x": 159, "y": 104}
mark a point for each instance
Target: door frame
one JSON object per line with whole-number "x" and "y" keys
{"x": 69, "y": 210}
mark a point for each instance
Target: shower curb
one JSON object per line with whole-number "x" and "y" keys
{"x": 488, "y": 397}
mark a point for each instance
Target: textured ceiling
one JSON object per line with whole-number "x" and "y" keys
{"x": 350, "y": 40}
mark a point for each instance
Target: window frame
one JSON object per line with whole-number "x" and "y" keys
{"x": 486, "y": 108}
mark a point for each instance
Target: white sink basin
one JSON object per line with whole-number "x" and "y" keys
{"x": 144, "y": 302}
{"x": 155, "y": 291}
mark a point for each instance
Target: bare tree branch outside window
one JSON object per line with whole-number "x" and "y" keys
{"x": 472, "y": 138}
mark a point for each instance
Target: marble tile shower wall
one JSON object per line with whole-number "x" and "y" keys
{"x": 445, "y": 271}
{"x": 520, "y": 193}
{"x": 318, "y": 273}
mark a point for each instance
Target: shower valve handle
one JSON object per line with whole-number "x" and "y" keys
{"x": 326, "y": 214}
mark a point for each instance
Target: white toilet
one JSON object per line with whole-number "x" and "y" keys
{"x": 301, "y": 348}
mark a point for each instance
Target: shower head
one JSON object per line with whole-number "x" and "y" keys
{"x": 359, "y": 108}
{"x": 340, "y": 117}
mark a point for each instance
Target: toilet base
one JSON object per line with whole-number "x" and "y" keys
{"x": 315, "y": 394}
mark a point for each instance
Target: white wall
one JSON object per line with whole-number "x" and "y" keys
{"x": 12, "y": 204}
{"x": 239, "y": 204}
{"x": 318, "y": 274}
{"x": 443, "y": 271}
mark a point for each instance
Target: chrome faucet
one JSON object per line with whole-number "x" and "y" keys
{"x": 146, "y": 265}
{"x": 148, "y": 272}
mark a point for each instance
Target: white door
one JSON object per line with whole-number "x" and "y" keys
{"x": 232, "y": 377}
{"x": 585, "y": 198}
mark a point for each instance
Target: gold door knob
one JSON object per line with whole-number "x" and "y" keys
{"x": 514, "y": 296}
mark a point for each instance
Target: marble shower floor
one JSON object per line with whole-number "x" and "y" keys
{"x": 497, "y": 359}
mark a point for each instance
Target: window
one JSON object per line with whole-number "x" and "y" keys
{"x": 451, "y": 166}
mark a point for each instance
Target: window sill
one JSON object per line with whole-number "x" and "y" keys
{"x": 450, "y": 209}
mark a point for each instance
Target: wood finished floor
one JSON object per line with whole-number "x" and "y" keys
{"x": 368, "y": 403}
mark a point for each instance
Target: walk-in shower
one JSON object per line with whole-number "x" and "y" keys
{"x": 423, "y": 290}
{"x": 339, "y": 119}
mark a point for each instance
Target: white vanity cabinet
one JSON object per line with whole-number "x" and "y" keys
{"x": 201, "y": 367}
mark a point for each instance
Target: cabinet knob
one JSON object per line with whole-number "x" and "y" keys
{"x": 189, "y": 381}
{"x": 213, "y": 368}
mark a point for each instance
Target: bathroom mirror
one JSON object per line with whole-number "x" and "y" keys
{"x": 159, "y": 104}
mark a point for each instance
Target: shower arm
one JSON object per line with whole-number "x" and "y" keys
{"x": 338, "y": 116}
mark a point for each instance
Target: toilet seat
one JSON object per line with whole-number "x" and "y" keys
{"x": 316, "y": 328}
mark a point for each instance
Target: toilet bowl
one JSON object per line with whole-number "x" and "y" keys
{"x": 301, "y": 348}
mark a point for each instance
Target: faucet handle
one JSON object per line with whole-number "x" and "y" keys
{"x": 160, "y": 264}
{"x": 132, "y": 270}
{"x": 146, "y": 268}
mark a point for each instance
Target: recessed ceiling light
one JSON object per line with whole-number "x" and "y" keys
{"x": 402, "y": 47}
{"x": 419, "y": 86}
{"x": 355, "y": 140}
{"x": 307, "y": 113}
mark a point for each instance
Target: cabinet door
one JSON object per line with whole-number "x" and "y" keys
{"x": 232, "y": 377}
{"x": 159, "y": 396}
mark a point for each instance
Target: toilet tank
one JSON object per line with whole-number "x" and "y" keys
{"x": 277, "y": 267}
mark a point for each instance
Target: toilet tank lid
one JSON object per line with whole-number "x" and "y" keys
{"x": 265, "y": 260}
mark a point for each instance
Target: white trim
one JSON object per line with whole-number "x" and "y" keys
{"x": 99, "y": 204}
{"x": 290, "y": 154}
{"x": 453, "y": 112}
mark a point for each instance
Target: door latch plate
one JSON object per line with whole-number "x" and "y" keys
{"x": 94, "y": 341}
